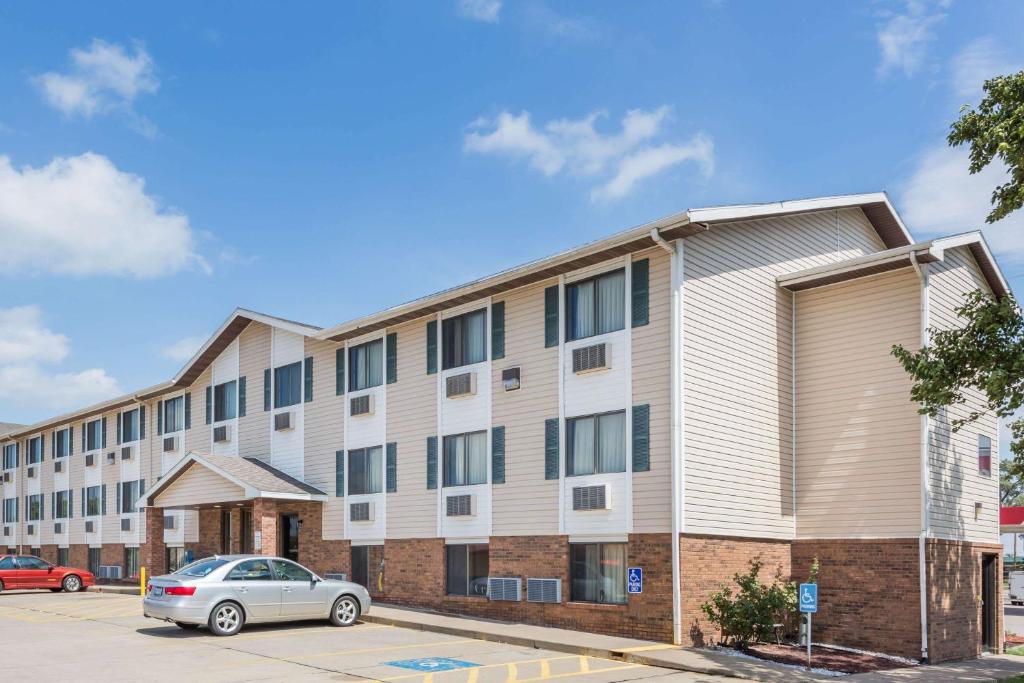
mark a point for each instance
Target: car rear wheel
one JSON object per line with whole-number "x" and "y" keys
{"x": 345, "y": 611}
{"x": 72, "y": 584}
{"x": 226, "y": 619}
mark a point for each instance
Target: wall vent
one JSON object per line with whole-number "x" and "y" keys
{"x": 220, "y": 434}
{"x": 58, "y": 528}
{"x": 360, "y": 512}
{"x": 169, "y": 521}
{"x": 336, "y": 576}
{"x": 283, "y": 421}
{"x": 544, "y": 590}
{"x": 126, "y": 524}
{"x": 511, "y": 378}
{"x": 31, "y": 474}
{"x": 58, "y": 465}
{"x": 459, "y": 506}
{"x": 90, "y": 526}
{"x": 591, "y": 358}
{"x": 463, "y": 384}
{"x": 126, "y": 453}
{"x": 590, "y": 497}
{"x": 170, "y": 444}
{"x": 361, "y": 405}
{"x": 504, "y": 588}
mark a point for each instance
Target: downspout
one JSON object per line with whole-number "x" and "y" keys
{"x": 676, "y": 368}
{"x": 922, "y": 274}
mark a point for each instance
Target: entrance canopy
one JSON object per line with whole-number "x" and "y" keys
{"x": 200, "y": 481}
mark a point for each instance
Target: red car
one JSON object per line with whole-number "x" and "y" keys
{"x": 26, "y": 571}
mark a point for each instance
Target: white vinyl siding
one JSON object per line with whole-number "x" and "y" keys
{"x": 196, "y": 486}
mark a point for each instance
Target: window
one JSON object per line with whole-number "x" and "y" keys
{"x": 94, "y": 501}
{"x": 34, "y": 508}
{"x": 175, "y": 559}
{"x": 366, "y": 365}
{"x": 251, "y": 570}
{"x": 984, "y": 454}
{"x": 10, "y": 456}
{"x": 174, "y": 414}
{"x": 464, "y": 339}
{"x": 10, "y": 510}
{"x": 465, "y": 459}
{"x": 201, "y": 568}
{"x": 25, "y": 562}
{"x": 94, "y": 435}
{"x": 597, "y": 572}
{"x": 596, "y": 444}
{"x": 7, "y": 562}
{"x": 466, "y": 569}
{"x": 365, "y": 470}
{"x": 95, "y": 560}
{"x": 130, "y": 426}
{"x": 225, "y": 532}
{"x": 289, "y": 571}
{"x": 131, "y": 563}
{"x": 225, "y": 401}
{"x": 367, "y": 561}
{"x": 288, "y": 385}
{"x": 62, "y": 505}
{"x": 130, "y": 492}
{"x": 62, "y": 443}
{"x": 35, "y": 450}
{"x": 596, "y": 306}
{"x": 62, "y": 557}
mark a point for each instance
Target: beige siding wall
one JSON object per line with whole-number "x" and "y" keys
{"x": 527, "y": 504}
{"x": 253, "y": 359}
{"x": 411, "y": 418}
{"x": 858, "y": 468}
{"x": 323, "y": 422}
{"x": 196, "y": 486}
{"x": 198, "y": 437}
{"x": 652, "y": 360}
{"x": 956, "y": 482}
{"x": 737, "y": 369}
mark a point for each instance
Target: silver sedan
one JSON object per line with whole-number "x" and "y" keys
{"x": 225, "y": 592}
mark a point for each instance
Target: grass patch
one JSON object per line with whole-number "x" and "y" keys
{"x": 1019, "y": 651}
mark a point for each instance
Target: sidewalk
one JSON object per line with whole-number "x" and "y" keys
{"x": 120, "y": 589}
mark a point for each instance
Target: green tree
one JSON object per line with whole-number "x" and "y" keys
{"x": 1011, "y": 483}
{"x": 996, "y": 129}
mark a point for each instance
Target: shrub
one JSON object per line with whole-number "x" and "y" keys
{"x": 750, "y": 614}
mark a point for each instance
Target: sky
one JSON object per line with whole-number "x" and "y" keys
{"x": 160, "y": 166}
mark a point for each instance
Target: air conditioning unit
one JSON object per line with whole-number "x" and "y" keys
{"x": 544, "y": 590}
{"x": 7, "y": 477}
{"x": 336, "y": 576}
{"x": 510, "y": 379}
{"x": 591, "y": 358}
{"x": 170, "y": 444}
{"x": 360, "y": 512}
{"x": 126, "y": 453}
{"x": 220, "y": 434}
{"x": 126, "y": 524}
{"x": 58, "y": 465}
{"x": 110, "y": 571}
{"x": 504, "y": 588}
{"x": 58, "y": 528}
{"x": 7, "y": 531}
{"x": 90, "y": 459}
{"x": 457, "y": 386}
{"x": 459, "y": 506}
{"x": 283, "y": 421}
{"x": 169, "y": 521}
{"x": 111, "y": 458}
{"x": 31, "y": 474}
{"x": 90, "y": 526}
{"x": 361, "y": 405}
{"x": 31, "y": 529}
{"x": 591, "y": 497}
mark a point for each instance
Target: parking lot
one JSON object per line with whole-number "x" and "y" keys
{"x": 64, "y": 636}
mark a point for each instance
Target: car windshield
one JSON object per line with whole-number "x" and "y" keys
{"x": 201, "y": 567}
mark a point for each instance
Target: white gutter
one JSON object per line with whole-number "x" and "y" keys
{"x": 922, "y": 578}
{"x": 676, "y": 368}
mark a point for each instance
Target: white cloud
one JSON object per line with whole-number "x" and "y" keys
{"x": 577, "y": 147}
{"x": 102, "y": 78}
{"x": 480, "y": 10}
{"x": 183, "y": 349}
{"x": 941, "y": 198}
{"x": 979, "y": 61}
{"x": 26, "y": 345}
{"x": 82, "y": 216}
{"x": 904, "y": 37}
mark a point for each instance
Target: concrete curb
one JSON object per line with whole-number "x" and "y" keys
{"x": 118, "y": 590}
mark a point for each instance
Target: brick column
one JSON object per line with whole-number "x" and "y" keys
{"x": 264, "y": 524}
{"x": 154, "y": 552}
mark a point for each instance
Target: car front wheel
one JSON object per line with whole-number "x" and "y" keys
{"x": 72, "y": 584}
{"x": 345, "y": 611}
{"x": 226, "y": 619}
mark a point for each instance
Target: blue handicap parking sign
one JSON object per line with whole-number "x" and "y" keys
{"x": 635, "y": 582}
{"x": 432, "y": 664}
{"x": 808, "y": 597}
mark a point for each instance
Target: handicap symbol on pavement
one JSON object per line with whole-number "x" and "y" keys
{"x": 432, "y": 664}
{"x": 809, "y": 597}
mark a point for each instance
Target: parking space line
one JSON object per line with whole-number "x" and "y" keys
{"x": 342, "y": 653}
{"x": 513, "y": 672}
{"x": 303, "y": 632}
{"x": 542, "y": 661}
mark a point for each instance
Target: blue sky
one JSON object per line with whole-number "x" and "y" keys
{"x": 161, "y": 166}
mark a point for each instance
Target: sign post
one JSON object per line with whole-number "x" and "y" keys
{"x": 808, "y": 599}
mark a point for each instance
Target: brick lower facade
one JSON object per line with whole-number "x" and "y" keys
{"x": 954, "y": 598}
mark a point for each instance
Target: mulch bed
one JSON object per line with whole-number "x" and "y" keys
{"x": 823, "y": 658}
{"x": 1014, "y": 639}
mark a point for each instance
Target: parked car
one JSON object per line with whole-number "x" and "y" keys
{"x": 225, "y": 592}
{"x": 27, "y": 571}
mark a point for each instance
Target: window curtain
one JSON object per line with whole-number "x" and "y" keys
{"x": 582, "y": 440}
{"x": 611, "y": 302}
{"x": 475, "y": 337}
{"x": 476, "y": 445}
{"x": 612, "y": 443}
{"x": 581, "y": 309}
{"x": 375, "y": 469}
{"x": 613, "y": 572}
{"x": 375, "y": 364}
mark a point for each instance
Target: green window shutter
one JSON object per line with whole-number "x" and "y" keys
{"x": 188, "y": 410}
{"x": 431, "y": 462}
{"x": 639, "y": 288}
{"x": 53, "y": 446}
{"x": 209, "y": 405}
{"x": 83, "y": 501}
{"x": 339, "y": 473}
{"x": 497, "y": 455}
{"x": 391, "y": 357}
{"x": 71, "y": 503}
{"x": 241, "y": 397}
{"x": 159, "y": 418}
{"x": 498, "y": 330}
{"x": 83, "y": 436}
{"x": 117, "y": 510}
{"x": 391, "y": 466}
{"x": 53, "y": 507}
{"x": 339, "y": 372}
{"x": 307, "y": 367}
{"x": 103, "y": 499}
{"x": 551, "y": 316}
{"x": 266, "y": 389}
{"x": 642, "y": 438}
{"x": 118, "y": 418}
{"x": 71, "y": 440}
{"x": 103, "y": 441}
{"x": 551, "y": 448}
{"x": 432, "y": 347}
{"x": 142, "y": 422}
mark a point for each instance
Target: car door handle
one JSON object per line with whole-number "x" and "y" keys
{"x": 286, "y": 590}
{"x": 243, "y": 589}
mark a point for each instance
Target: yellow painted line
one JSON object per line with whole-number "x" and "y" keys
{"x": 513, "y": 673}
{"x": 474, "y": 674}
{"x": 300, "y": 658}
{"x": 428, "y": 678}
{"x": 647, "y": 648}
{"x": 489, "y": 666}
{"x": 584, "y": 664}
{"x": 581, "y": 673}
{"x": 545, "y": 668}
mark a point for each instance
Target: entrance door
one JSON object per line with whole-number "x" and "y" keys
{"x": 225, "y": 532}
{"x": 290, "y": 537}
{"x": 245, "y": 530}
{"x": 989, "y": 602}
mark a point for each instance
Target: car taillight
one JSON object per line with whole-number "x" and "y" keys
{"x": 149, "y": 588}
{"x": 180, "y": 590}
